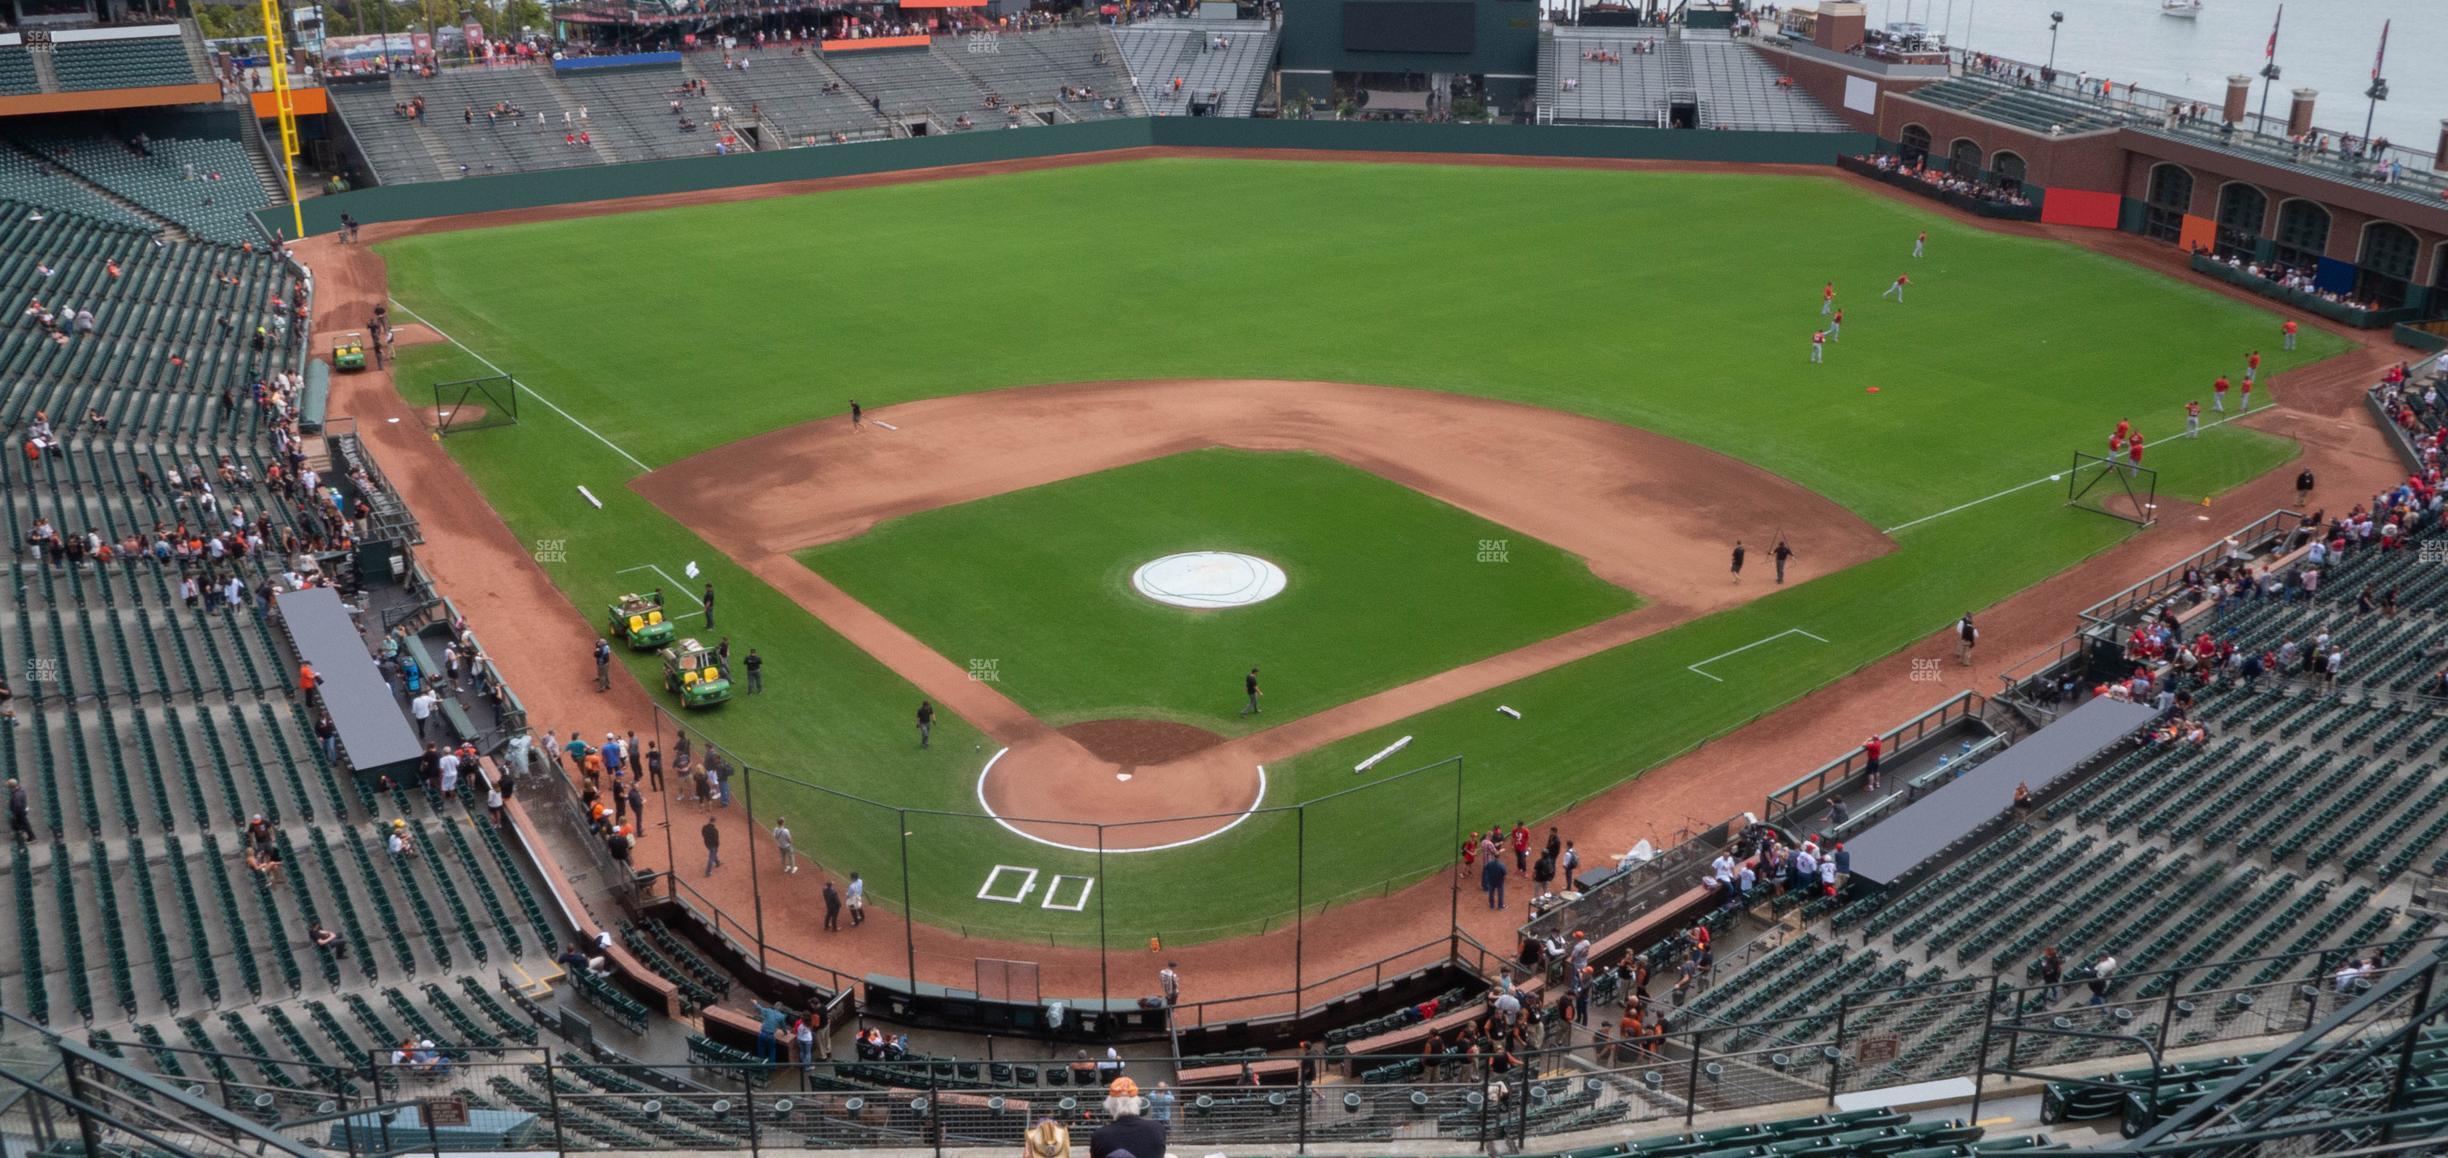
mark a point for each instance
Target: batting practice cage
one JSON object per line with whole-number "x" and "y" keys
{"x": 2114, "y": 486}
{"x": 474, "y": 404}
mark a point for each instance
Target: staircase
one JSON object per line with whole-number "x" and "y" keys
{"x": 46, "y": 77}
{"x": 264, "y": 154}
{"x": 434, "y": 148}
{"x": 1133, "y": 102}
{"x": 197, "y": 58}
{"x": 1681, "y": 88}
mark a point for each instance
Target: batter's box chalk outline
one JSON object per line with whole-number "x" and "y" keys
{"x": 1028, "y": 884}
{"x": 1054, "y": 888}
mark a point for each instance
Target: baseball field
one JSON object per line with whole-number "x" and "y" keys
{"x": 1500, "y": 428}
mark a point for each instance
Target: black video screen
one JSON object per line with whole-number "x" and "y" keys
{"x": 1409, "y": 26}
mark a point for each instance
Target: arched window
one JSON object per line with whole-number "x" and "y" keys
{"x": 2242, "y": 210}
{"x": 2386, "y": 264}
{"x": 1964, "y": 158}
{"x": 1915, "y": 145}
{"x": 2438, "y": 305}
{"x": 2303, "y": 233}
{"x": 2006, "y": 171}
{"x": 2169, "y": 198}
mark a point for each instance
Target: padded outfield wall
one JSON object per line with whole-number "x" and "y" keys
{"x": 692, "y": 174}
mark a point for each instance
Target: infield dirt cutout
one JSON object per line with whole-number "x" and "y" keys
{"x": 1649, "y": 513}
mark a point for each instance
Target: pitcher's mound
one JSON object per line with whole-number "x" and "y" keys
{"x": 1134, "y": 742}
{"x": 458, "y": 416}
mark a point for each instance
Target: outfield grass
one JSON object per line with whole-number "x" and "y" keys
{"x": 1043, "y": 588}
{"x": 1634, "y": 307}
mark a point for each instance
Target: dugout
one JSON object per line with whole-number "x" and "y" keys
{"x": 374, "y": 733}
{"x": 1484, "y": 50}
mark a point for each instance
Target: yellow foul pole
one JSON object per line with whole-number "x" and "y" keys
{"x": 276, "y": 47}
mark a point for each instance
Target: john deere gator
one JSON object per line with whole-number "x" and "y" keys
{"x": 693, "y": 672}
{"x": 639, "y": 619}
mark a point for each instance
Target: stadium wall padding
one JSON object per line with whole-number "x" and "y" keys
{"x": 2082, "y": 207}
{"x": 690, "y": 174}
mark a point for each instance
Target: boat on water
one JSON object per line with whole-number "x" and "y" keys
{"x": 2180, "y": 9}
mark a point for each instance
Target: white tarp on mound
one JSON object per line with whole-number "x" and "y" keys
{"x": 1209, "y": 579}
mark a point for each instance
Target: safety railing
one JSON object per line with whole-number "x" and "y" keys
{"x": 2260, "y": 537}
{"x": 1836, "y": 775}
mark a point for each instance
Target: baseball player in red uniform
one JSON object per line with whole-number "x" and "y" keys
{"x": 1921, "y": 242}
{"x": 1836, "y": 327}
{"x": 1896, "y": 291}
{"x": 2218, "y": 394}
{"x": 2286, "y": 334}
{"x": 1819, "y": 347}
{"x": 2193, "y": 419}
{"x": 2116, "y": 441}
{"x": 2246, "y": 404}
{"x": 1827, "y": 300}
{"x": 2134, "y": 451}
{"x": 2252, "y": 367}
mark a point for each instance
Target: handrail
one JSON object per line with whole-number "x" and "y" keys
{"x": 1806, "y": 790}
{"x": 2252, "y": 539}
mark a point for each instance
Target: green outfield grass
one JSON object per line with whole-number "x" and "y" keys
{"x": 1678, "y": 302}
{"x": 1044, "y": 590}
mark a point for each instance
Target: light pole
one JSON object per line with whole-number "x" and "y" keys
{"x": 2055, "y": 19}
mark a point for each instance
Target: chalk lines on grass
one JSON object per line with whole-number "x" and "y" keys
{"x": 2056, "y": 477}
{"x": 532, "y": 392}
{"x": 1694, "y": 668}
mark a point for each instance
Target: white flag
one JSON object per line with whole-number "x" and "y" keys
{"x": 691, "y": 569}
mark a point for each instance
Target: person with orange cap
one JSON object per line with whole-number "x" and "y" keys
{"x": 1131, "y": 1132}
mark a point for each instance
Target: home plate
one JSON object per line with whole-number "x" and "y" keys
{"x": 1122, "y": 776}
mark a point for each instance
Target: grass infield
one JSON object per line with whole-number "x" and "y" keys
{"x": 1384, "y": 586}
{"x": 1682, "y": 303}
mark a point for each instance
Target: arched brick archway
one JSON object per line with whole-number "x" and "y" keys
{"x": 2303, "y": 233}
{"x": 2006, "y": 170}
{"x": 2384, "y": 263}
{"x": 1914, "y": 144}
{"x": 2243, "y": 212}
{"x": 2166, "y": 201}
{"x": 1964, "y": 158}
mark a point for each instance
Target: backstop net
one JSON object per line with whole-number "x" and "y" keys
{"x": 2119, "y": 487}
{"x": 474, "y": 404}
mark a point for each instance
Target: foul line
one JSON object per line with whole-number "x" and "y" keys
{"x": 676, "y": 584}
{"x": 1016, "y": 830}
{"x": 531, "y": 391}
{"x": 2058, "y": 476}
{"x": 1694, "y": 668}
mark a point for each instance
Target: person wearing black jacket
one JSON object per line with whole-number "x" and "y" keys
{"x": 1130, "y": 1132}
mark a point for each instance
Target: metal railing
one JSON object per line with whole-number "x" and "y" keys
{"x": 1836, "y": 775}
{"x": 2260, "y": 537}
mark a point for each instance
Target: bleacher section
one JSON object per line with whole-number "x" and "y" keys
{"x": 1159, "y": 50}
{"x": 1032, "y": 70}
{"x": 216, "y": 203}
{"x": 86, "y": 65}
{"x": 37, "y": 182}
{"x": 148, "y": 728}
{"x": 788, "y": 90}
{"x": 2035, "y": 109}
{"x": 456, "y": 138}
{"x": 1631, "y": 76}
{"x": 915, "y": 82}
{"x": 1585, "y": 90}
{"x": 17, "y": 76}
